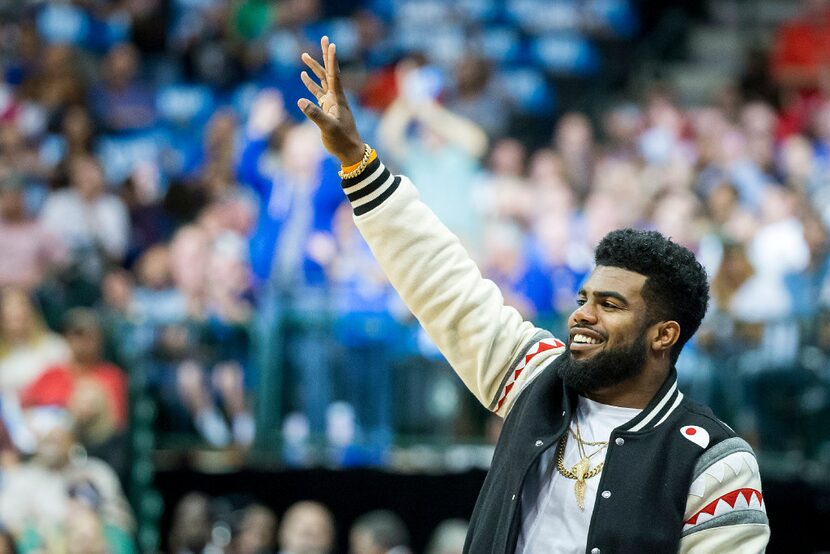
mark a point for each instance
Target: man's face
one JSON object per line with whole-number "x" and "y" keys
{"x": 607, "y": 332}
{"x": 85, "y": 344}
{"x": 306, "y": 530}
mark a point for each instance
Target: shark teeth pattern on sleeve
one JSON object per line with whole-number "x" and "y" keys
{"x": 530, "y": 363}
{"x": 730, "y": 465}
{"x": 740, "y": 499}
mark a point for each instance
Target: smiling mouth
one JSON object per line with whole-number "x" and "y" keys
{"x": 583, "y": 341}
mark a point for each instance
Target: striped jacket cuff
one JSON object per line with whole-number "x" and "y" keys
{"x": 371, "y": 188}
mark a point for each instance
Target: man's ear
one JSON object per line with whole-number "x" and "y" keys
{"x": 668, "y": 333}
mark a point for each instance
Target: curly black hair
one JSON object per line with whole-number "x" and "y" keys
{"x": 676, "y": 286}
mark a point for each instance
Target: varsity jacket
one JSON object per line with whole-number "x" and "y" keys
{"x": 675, "y": 478}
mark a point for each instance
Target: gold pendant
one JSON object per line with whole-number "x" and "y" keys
{"x": 579, "y": 490}
{"x": 581, "y": 471}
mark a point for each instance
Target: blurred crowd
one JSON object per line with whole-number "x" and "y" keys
{"x": 171, "y": 232}
{"x": 202, "y": 524}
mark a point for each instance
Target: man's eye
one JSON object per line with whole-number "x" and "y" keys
{"x": 580, "y": 301}
{"x": 609, "y": 305}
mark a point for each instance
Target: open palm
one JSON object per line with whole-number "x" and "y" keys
{"x": 331, "y": 114}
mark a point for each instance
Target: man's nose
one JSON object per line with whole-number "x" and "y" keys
{"x": 584, "y": 314}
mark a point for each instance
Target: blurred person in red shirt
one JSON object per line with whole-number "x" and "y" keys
{"x": 92, "y": 389}
{"x": 800, "y": 62}
{"x": 801, "y": 52}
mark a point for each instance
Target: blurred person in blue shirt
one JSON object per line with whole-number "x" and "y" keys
{"x": 298, "y": 190}
{"x": 121, "y": 102}
{"x": 508, "y": 263}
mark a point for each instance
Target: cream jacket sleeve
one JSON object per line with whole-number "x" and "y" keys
{"x": 489, "y": 345}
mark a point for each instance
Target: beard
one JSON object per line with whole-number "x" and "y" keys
{"x": 605, "y": 369}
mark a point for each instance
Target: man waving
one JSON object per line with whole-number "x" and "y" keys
{"x": 600, "y": 451}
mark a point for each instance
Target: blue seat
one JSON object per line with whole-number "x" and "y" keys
{"x": 529, "y": 90}
{"x": 616, "y": 16}
{"x": 120, "y": 155}
{"x": 63, "y": 24}
{"x": 501, "y": 45}
{"x": 184, "y": 105}
{"x": 536, "y": 16}
{"x": 567, "y": 54}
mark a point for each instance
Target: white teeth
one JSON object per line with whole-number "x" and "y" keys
{"x": 583, "y": 339}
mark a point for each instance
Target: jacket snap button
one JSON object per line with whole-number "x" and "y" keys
{"x": 539, "y": 443}
{"x": 595, "y": 551}
{"x": 513, "y": 497}
{"x": 620, "y": 441}
{"x": 606, "y": 494}
{"x": 563, "y": 413}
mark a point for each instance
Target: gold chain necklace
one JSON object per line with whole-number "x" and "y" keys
{"x": 579, "y": 472}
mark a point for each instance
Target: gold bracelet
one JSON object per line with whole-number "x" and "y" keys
{"x": 367, "y": 157}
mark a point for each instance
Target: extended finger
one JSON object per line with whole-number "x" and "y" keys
{"x": 333, "y": 73}
{"x": 329, "y": 61}
{"x": 312, "y": 87}
{"x": 316, "y": 68}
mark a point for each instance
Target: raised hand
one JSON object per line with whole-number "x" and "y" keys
{"x": 331, "y": 114}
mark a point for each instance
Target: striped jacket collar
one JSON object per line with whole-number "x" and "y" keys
{"x": 663, "y": 404}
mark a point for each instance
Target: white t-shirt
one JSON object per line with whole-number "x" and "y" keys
{"x": 552, "y": 522}
{"x": 24, "y": 363}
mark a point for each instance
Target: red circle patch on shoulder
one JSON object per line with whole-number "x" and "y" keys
{"x": 697, "y": 435}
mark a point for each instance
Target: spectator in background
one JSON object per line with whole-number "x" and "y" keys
{"x": 573, "y": 141}
{"x": 217, "y": 167}
{"x": 257, "y": 533}
{"x": 297, "y": 199}
{"x": 509, "y": 264}
{"x": 35, "y": 495}
{"x": 121, "y": 102}
{"x": 29, "y": 252}
{"x": 448, "y": 537}
{"x": 7, "y": 543}
{"x": 800, "y": 52}
{"x": 155, "y": 298}
{"x": 623, "y": 125}
{"x": 54, "y": 82}
{"x": 802, "y": 48}
{"x": 84, "y": 531}
{"x": 503, "y": 191}
{"x": 196, "y": 393}
{"x": 443, "y": 153}
{"x": 18, "y": 154}
{"x": 93, "y": 222}
{"x": 77, "y": 138}
{"x": 307, "y": 528}
{"x": 92, "y": 390}
{"x": 190, "y": 530}
{"x": 188, "y": 257}
{"x": 367, "y": 331}
{"x": 379, "y": 532}
{"x": 477, "y": 97}
{"x": 298, "y": 192}
{"x": 27, "y": 346}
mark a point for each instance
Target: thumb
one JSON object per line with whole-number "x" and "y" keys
{"x": 313, "y": 112}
